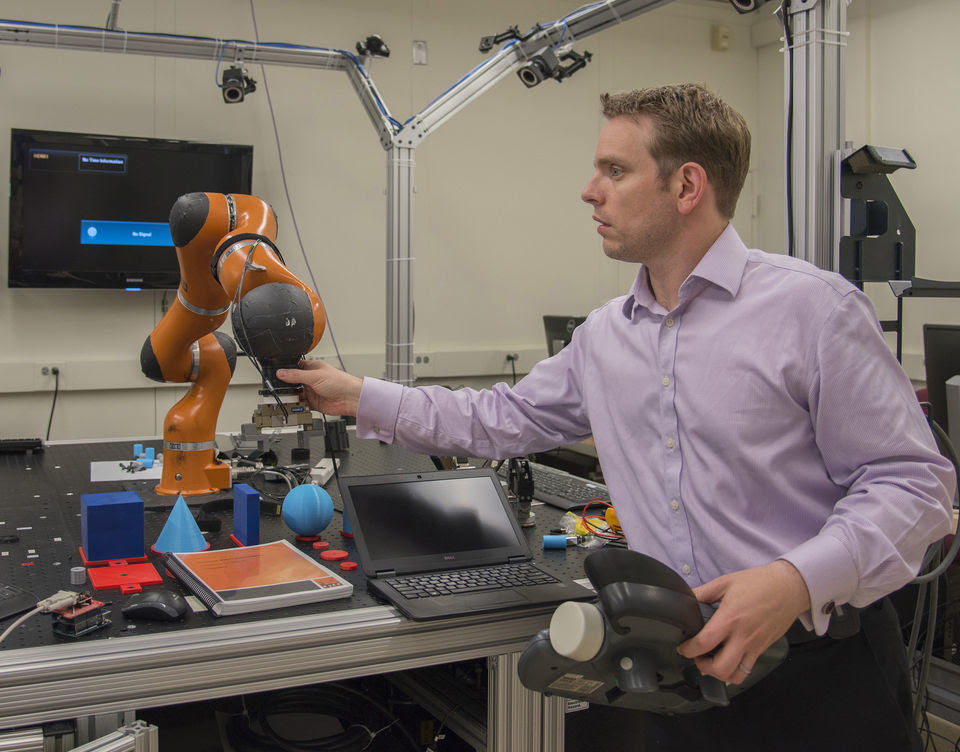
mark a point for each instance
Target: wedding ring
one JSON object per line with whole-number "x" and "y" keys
{"x": 744, "y": 669}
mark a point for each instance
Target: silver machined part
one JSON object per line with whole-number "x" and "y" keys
{"x": 189, "y": 446}
{"x": 240, "y": 245}
{"x": 197, "y": 309}
{"x": 195, "y": 356}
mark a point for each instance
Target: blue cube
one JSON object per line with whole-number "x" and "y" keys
{"x": 111, "y": 526}
{"x": 246, "y": 514}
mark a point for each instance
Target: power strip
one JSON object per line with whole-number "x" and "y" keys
{"x": 323, "y": 471}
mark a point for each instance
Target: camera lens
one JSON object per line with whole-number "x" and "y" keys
{"x": 529, "y": 75}
{"x": 233, "y": 85}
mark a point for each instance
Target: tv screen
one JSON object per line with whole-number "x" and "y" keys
{"x": 91, "y": 210}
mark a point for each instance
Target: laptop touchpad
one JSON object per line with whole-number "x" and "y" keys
{"x": 498, "y": 598}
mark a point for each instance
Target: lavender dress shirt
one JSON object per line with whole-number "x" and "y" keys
{"x": 763, "y": 418}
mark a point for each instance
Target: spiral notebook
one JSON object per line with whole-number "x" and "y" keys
{"x": 256, "y": 578}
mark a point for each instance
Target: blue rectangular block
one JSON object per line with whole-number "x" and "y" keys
{"x": 111, "y": 526}
{"x": 246, "y": 514}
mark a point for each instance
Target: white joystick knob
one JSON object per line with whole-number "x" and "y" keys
{"x": 576, "y": 630}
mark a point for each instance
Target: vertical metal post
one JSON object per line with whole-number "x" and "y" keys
{"x": 519, "y": 719}
{"x": 819, "y": 32}
{"x": 554, "y": 723}
{"x": 399, "y": 349}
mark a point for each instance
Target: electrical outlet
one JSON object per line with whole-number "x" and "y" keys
{"x": 48, "y": 374}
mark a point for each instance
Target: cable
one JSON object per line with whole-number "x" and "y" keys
{"x": 356, "y": 711}
{"x": 592, "y": 527}
{"x": 59, "y": 600}
{"x": 946, "y": 446}
{"x": 216, "y": 74}
{"x": 56, "y": 390}
{"x": 931, "y": 581}
{"x": 18, "y": 622}
{"x": 788, "y": 46}
{"x": 248, "y": 264}
{"x": 286, "y": 189}
{"x": 333, "y": 453}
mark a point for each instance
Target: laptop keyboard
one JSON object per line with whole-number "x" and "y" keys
{"x": 498, "y": 577}
{"x": 560, "y": 488}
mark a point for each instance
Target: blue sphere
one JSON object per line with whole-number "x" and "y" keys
{"x": 307, "y": 510}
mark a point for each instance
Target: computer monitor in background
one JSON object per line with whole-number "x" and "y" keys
{"x": 941, "y": 359}
{"x": 559, "y": 330}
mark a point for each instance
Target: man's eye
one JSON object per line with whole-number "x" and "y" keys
{"x": 616, "y": 172}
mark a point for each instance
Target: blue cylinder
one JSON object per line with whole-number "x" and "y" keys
{"x": 137, "y": 451}
{"x": 554, "y": 541}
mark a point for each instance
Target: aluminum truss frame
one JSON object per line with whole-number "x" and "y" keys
{"x": 818, "y": 47}
{"x": 399, "y": 140}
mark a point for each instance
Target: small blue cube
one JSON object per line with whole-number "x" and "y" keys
{"x": 111, "y": 526}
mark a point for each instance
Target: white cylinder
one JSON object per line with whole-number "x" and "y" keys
{"x": 576, "y": 630}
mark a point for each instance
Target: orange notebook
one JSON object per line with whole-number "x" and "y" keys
{"x": 256, "y": 578}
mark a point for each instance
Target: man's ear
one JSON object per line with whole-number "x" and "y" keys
{"x": 692, "y": 186}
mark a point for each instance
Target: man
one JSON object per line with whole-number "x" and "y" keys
{"x": 754, "y": 430}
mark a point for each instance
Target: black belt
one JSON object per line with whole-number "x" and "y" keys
{"x": 844, "y": 622}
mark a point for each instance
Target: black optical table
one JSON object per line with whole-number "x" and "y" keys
{"x": 102, "y": 678}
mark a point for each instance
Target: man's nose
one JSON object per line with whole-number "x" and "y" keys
{"x": 589, "y": 193}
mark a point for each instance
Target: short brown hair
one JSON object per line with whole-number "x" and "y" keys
{"x": 691, "y": 124}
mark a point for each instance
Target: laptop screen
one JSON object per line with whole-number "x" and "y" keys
{"x": 424, "y": 521}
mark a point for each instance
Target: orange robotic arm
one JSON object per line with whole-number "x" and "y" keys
{"x": 225, "y": 247}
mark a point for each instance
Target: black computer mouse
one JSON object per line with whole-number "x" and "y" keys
{"x": 159, "y": 605}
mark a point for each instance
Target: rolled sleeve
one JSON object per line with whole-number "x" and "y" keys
{"x": 378, "y": 410}
{"x": 830, "y": 574}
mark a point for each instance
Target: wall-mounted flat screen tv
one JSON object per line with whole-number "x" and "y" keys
{"x": 91, "y": 210}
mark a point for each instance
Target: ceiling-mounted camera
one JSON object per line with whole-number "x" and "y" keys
{"x": 547, "y": 64}
{"x": 373, "y": 46}
{"x": 236, "y": 84}
{"x": 747, "y": 6}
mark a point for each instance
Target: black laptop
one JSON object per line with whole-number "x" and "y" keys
{"x": 447, "y": 543}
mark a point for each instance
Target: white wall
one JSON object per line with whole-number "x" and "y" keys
{"x": 901, "y": 63}
{"x": 903, "y": 92}
{"x": 501, "y": 236}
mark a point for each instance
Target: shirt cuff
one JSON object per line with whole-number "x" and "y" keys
{"x": 378, "y": 409}
{"x": 830, "y": 575}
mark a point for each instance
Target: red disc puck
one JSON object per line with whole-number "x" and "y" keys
{"x": 320, "y": 545}
{"x": 333, "y": 555}
{"x": 347, "y": 566}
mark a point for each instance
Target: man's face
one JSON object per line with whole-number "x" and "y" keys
{"x": 636, "y": 215}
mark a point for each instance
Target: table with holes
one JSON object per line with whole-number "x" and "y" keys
{"x": 112, "y": 672}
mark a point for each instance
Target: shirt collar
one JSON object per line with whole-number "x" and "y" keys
{"x": 722, "y": 265}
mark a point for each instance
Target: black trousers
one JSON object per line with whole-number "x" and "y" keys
{"x": 843, "y": 695}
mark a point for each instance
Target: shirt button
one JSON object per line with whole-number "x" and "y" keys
{"x": 686, "y": 569}
{"x": 666, "y": 381}
{"x": 670, "y": 444}
{"x": 669, "y": 323}
{"x": 674, "y": 505}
